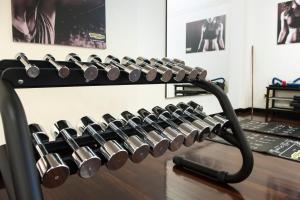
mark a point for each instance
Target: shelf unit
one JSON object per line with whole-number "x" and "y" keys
{"x": 18, "y": 157}
{"x": 271, "y": 97}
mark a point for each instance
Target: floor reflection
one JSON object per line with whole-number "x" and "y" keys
{"x": 282, "y": 189}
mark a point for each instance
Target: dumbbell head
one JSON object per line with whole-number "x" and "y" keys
{"x": 195, "y": 106}
{"x": 176, "y": 138}
{"x": 158, "y": 144}
{"x": 166, "y": 73}
{"x": 63, "y": 71}
{"x": 178, "y": 71}
{"x": 90, "y": 71}
{"x": 32, "y": 70}
{"x": 111, "y": 58}
{"x": 115, "y": 155}
{"x": 113, "y": 72}
{"x": 87, "y": 161}
{"x": 190, "y": 132}
{"x": 224, "y": 122}
{"x": 138, "y": 150}
{"x": 178, "y": 61}
{"x": 134, "y": 73}
{"x": 202, "y": 73}
{"x": 53, "y": 171}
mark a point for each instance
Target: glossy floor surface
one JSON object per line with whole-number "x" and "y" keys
{"x": 272, "y": 179}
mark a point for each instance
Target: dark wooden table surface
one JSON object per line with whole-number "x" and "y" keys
{"x": 272, "y": 179}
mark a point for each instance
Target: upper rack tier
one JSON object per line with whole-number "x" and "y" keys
{"x": 14, "y": 72}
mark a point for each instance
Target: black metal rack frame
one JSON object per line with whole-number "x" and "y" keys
{"x": 18, "y": 157}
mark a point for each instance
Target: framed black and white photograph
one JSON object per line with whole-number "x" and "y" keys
{"x": 288, "y": 30}
{"x": 206, "y": 35}
{"x": 80, "y": 23}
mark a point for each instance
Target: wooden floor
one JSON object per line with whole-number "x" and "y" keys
{"x": 272, "y": 179}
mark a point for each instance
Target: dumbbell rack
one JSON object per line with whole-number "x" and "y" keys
{"x": 18, "y": 157}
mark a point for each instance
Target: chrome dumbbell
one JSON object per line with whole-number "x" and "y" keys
{"x": 215, "y": 125}
{"x": 205, "y": 129}
{"x": 175, "y": 137}
{"x": 113, "y": 72}
{"x": 53, "y": 171}
{"x": 189, "y": 132}
{"x": 166, "y": 73}
{"x": 192, "y": 73}
{"x": 177, "y": 70}
{"x": 32, "y": 70}
{"x": 90, "y": 72}
{"x": 87, "y": 161}
{"x": 149, "y": 71}
{"x": 115, "y": 155}
{"x": 158, "y": 144}
{"x": 62, "y": 70}
{"x": 134, "y": 73}
{"x": 225, "y": 123}
{"x": 185, "y": 127}
{"x": 201, "y": 73}
{"x": 138, "y": 150}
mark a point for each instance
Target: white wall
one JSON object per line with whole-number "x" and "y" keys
{"x": 134, "y": 28}
{"x": 271, "y": 60}
{"x": 229, "y": 63}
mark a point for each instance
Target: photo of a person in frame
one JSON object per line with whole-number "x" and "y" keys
{"x": 65, "y": 22}
{"x": 289, "y": 22}
{"x": 206, "y": 35}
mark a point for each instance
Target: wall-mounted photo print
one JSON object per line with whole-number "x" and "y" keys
{"x": 63, "y": 22}
{"x": 206, "y": 35}
{"x": 288, "y": 22}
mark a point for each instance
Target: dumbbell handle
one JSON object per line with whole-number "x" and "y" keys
{"x": 24, "y": 60}
{"x": 41, "y": 149}
{"x": 71, "y": 142}
{"x": 79, "y": 63}
{"x": 153, "y": 124}
{"x": 114, "y": 62}
{"x": 177, "y": 113}
{"x": 99, "y": 63}
{"x": 118, "y": 131}
{"x": 95, "y": 135}
{"x": 141, "y": 60}
{"x": 137, "y": 127}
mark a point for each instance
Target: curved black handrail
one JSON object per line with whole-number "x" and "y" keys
{"x": 26, "y": 184}
{"x": 238, "y": 135}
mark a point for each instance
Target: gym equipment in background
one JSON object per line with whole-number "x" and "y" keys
{"x": 282, "y": 83}
{"x": 281, "y": 99}
{"x": 271, "y": 128}
{"x": 183, "y": 90}
{"x": 82, "y": 154}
